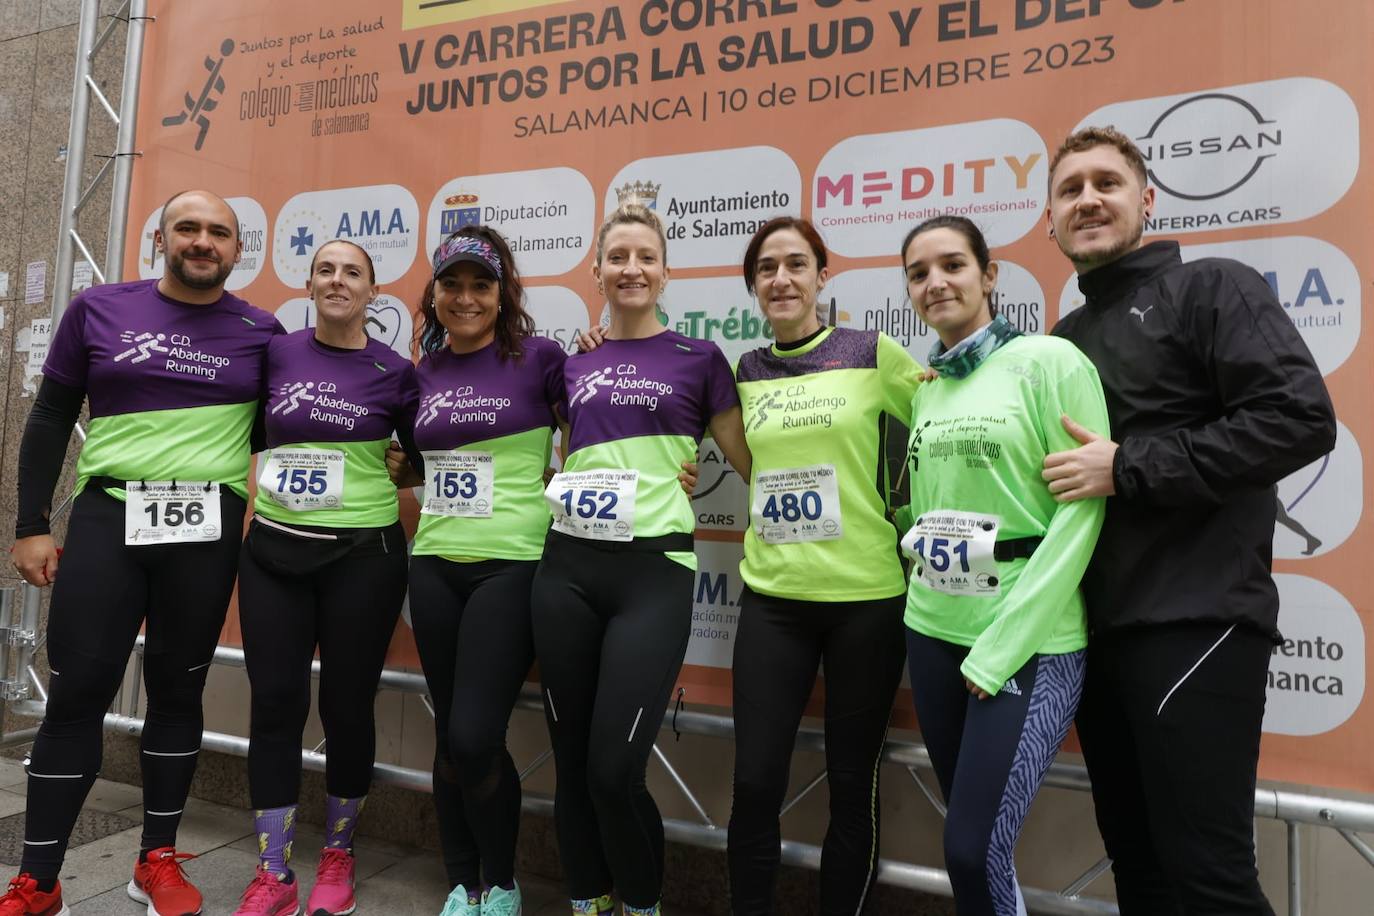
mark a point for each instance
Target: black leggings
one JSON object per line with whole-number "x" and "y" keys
{"x": 103, "y": 593}
{"x": 610, "y": 632}
{"x": 778, "y": 646}
{"x": 990, "y": 757}
{"x": 472, "y": 627}
{"x": 348, "y": 607}
{"x": 1170, "y": 727}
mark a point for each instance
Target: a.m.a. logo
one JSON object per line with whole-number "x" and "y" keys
{"x": 381, "y": 219}
{"x": 202, "y": 95}
{"x": 371, "y": 222}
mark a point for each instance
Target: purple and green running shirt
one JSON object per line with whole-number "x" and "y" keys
{"x": 485, "y": 427}
{"x": 330, "y": 413}
{"x": 814, "y": 419}
{"x": 172, "y": 387}
{"x": 643, "y": 405}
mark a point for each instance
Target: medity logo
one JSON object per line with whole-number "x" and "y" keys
{"x": 992, "y": 171}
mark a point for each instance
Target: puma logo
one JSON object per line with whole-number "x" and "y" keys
{"x": 1139, "y": 314}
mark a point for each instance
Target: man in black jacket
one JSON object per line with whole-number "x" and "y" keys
{"x": 1213, "y": 398}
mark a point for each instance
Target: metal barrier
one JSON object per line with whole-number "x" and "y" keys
{"x": 1296, "y": 810}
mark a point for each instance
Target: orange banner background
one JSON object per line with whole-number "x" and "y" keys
{"x": 267, "y": 101}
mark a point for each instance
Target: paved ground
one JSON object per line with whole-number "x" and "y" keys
{"x": 394, "y": 880}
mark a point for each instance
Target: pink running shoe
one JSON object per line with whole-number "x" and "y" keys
{"x": 268, "y": 895}
{"x": 332, "y": 894}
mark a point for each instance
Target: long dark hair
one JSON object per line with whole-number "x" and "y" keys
{"x": 513, "y": 323}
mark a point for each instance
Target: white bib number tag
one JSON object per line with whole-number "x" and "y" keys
{"x": 171, "y": 512}
{"x": 459, "y": 484}
{"x": 953, "y": 552}
{"x": 599, "y": 505}
{"x": 797, "y": 504}
{"x": 303, "y": 479}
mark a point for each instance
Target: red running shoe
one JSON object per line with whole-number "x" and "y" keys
{"x": 25, "y": 899}
{"x": 159, "y": 882}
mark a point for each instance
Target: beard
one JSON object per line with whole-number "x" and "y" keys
{"x": 176, "y": 264}
{"x": 1085, "y": 261}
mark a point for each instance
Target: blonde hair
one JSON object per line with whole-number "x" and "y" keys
{"x": 631, "y": 212}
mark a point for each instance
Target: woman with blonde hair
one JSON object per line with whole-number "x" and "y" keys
{"x": 613, "y": 594}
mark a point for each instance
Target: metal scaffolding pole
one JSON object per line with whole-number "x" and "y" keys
{"x": 118, "y": 165}
{"x": 124, "y": 142}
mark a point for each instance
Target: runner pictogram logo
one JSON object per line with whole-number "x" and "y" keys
{"x": 292, "y": 393}
{"x": 144, "y": 345}
{"x": 430, "y": 406}
{"x": 588, "y": 385}
{"x": 195, "y": 108}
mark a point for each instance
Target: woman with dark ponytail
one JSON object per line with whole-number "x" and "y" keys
{"x": 995, "y": 622}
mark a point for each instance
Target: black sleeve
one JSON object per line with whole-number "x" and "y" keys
{"x": 405, "y": 420}
{"x": 257, "y": 436}
{"x": 406, "y": 435}
{"x": 41, "y": 453}
{"x": 1276, "y": 414}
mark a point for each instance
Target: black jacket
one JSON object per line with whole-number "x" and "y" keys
{"x": 1214, "y": 398}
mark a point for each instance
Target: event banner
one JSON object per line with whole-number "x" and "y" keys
{"x": 394, "y": 122}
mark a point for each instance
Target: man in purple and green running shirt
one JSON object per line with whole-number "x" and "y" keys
{"x": 171, "y": 369}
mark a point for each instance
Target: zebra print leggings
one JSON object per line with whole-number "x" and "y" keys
{"x": 990, "y": 757}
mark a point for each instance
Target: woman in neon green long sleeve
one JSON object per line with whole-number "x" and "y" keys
{"x": 995, "y": 621}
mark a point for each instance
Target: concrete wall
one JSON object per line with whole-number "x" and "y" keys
{"x": 37, "y": 47}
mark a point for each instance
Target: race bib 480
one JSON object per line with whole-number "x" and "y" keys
{"x": 797, "y": 504}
